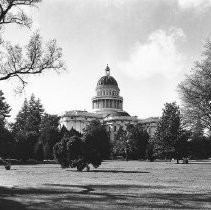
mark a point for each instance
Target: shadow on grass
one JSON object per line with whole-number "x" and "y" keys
{"x": 199, "y": 163}
{"x": 107, "y": 186}
{"x": 6, "y": 204}
{"x": 57, "y": 196}
{"x": 111, "y": 171}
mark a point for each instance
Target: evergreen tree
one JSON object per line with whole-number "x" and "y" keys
{"x": 7, "y": 143}
{"x": 35, "y": 115}
{"x": 60, "y": 152}
{"x": 74, "y": 132}
{"x": 137, "y": 139}
{"x": 29, "y": 117}
{"x": 63, "y": 132}
{"x": 27, "y": 128}
{"x": 131, "y": 143}
{"x": 120, "y": 147}
{"x": 78, "y": 152}
{"x": 49, "y": 134}
{"x": 4, "y": 109}
{"x": 169, "y": 132}
{"x": 21, "y": 119}
{"x": 149, "y": 152}
{"x": 96, "y": 139}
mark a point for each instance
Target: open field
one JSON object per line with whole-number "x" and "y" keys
{"x": 115, "y": 185}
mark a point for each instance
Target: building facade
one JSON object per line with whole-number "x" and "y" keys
{"x": 107, "y": 106}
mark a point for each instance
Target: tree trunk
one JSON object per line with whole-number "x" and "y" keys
{"x": 126, "y": 155}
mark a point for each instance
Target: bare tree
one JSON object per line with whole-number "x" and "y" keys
{"x": 195, "y": 91}
{"x": 18, "y": 62}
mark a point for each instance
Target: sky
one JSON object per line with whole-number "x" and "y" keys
{"x": 149, "y": 46}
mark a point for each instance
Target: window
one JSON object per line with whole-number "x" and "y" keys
{"x": 114, "y": 128}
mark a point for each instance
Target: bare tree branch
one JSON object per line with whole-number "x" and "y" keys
{"x": 35, "y": 58}
{"x": 195, "y": 91}
{"x": 35, "y": 61}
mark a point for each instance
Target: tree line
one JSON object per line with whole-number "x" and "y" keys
{"x": 36, "y": 135}
{"x": 173, "y": 139}
{"x": 33, "y": 133}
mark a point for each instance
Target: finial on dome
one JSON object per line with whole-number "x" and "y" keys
{"x": 107, "y": 71}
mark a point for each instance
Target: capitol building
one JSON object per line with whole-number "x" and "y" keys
{"x": 107, "y": 107}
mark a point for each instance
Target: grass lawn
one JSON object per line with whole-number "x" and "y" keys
{"x": 114, "y": 185}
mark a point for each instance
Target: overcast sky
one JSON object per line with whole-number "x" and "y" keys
{"x": 149, "y": 45}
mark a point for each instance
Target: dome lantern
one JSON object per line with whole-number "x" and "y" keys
{"x": 107, "y": 71}
{"x": 107, "y": 79}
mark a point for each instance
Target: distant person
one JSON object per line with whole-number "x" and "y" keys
{"x": 7, "y": 165}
